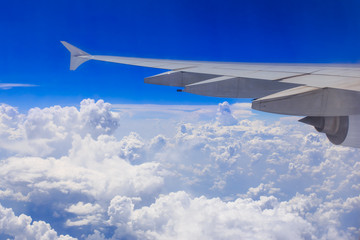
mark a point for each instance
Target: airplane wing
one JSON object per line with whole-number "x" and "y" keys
{"x": 328, "y": 95}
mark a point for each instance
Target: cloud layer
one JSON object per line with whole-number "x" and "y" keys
{"x": 218, "y": 172}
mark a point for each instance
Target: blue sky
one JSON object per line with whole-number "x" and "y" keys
{"x": 245, "y": 31}
{"x": 96, "y": 154}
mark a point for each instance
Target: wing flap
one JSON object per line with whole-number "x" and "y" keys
{"x": 230, "y": 87}
{"x": 310, "y": 101}
{"x": 264, "y": 75}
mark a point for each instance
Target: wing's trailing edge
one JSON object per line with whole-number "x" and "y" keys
{"x": 78, "y": 56}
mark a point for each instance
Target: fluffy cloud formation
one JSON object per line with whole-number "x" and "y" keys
{"x": 178, "y": 216}
{"x": 49, "y": 131}
{"x": 22, "y": 227}
{"x": 225, "y": 118}
{"x": 227, "y": 175}
{"x": 85, "y": 214}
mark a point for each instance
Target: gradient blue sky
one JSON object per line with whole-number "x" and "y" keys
{"x": 244, "y": 31}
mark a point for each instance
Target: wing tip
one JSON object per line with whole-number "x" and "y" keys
{"x": 76, "y": 58}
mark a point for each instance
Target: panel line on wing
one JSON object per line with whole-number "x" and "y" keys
{"x": 300, "y": 75}
{"x": 217, "y": 79}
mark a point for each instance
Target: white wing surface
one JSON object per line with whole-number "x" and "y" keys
{"x": 328, "y": 94}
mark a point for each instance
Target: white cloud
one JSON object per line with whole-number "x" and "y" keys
{"x": 178, "y": 216}
{"x": 241, "y": 110}
{"x": 98, "y": 180}
{"x": 96, "y": 236}
{"x": 221, "y": 174}
{"x": 225, "y": 117}
{"x": 10, "y": 194}
{"x": 120, "y": 210}
{"x": 265, "y": 189}
{"x": 22, "y": 227}
{"x": 86, "y": 214}
{"x": 83, "y": 209}
{"x": 49, "y": 131}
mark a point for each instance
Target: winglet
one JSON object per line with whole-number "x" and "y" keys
{"x": 78, "y": 56}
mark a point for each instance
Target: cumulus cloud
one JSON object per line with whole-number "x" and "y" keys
{"x": 23, "y": 227}
{"x": 223, "y": 176}
{"x": 225, "y": 116}
{"x": 85, "y": 214}
{"x": 179, "y": 216}
{"x": 96, "y": 180}
{"x": 267, "y": 189}
{"x": 94, "y": 118}
{"x": 120, "y": 212}
{"x": 49, "y": 131}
